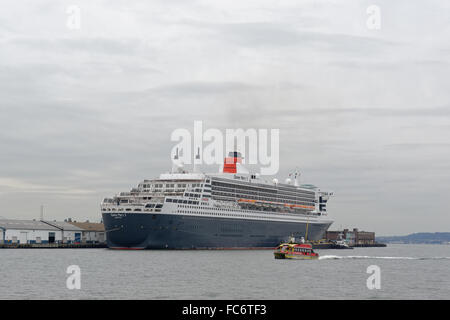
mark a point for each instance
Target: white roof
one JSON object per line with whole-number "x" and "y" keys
{"x": 25, "y": 225}
{"x": 64, "y": 225}
{"x": 37, "y": 225}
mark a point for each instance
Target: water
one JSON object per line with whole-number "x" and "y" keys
{"x": 407, "y": 272}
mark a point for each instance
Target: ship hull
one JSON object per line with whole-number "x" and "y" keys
{"x": 169, "y": 231}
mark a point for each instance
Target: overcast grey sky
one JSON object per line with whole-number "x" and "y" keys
{"x": 86, "y": 113}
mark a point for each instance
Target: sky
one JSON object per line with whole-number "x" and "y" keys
{"x": 364, "y": 112}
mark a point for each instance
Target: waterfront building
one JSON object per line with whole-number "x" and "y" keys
{"x": 92, "y": 232}
{"x": 28, "y": 231}
{"x": 13, "y": 231}
{"x": 352, "y": 237}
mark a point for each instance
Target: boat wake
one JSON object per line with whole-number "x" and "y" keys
{"x": 332, "y": 257}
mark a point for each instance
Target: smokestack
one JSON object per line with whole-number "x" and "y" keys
{"x": 229, "y": 165}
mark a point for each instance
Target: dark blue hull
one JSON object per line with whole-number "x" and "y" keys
{"x": 164, "y": 231}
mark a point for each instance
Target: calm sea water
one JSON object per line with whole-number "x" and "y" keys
{"x": 407, "y": 272}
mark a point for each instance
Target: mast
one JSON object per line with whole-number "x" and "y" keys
{"x": 296, "y": 174}
{"x": 196, "y": 159}
{"x": 307, "y": 225}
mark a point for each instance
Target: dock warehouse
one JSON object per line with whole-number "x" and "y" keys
{"x": 92, "y": 232}
{"x": 26, "y": 231}
{"x": 67, "y": 231}
{"x": 33, "y": 231}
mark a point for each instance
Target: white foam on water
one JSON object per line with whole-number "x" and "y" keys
{"x": 332, "y": 257}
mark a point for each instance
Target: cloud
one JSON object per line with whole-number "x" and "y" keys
{"x": 280, "y": 35}
{"x": 16, "y": 185}
{"x": 91, "y": 45}
{"x": 88, "y": 113}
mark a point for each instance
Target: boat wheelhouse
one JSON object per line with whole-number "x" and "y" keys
{"x": 299, "y": 251}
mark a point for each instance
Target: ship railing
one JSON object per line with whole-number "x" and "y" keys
{"x": 139, "y": 207}
{"x": 123, "y": 205}
{"x": 285, "y": 212}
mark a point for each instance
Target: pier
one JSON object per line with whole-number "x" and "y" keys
{"x": 52, "y": 245}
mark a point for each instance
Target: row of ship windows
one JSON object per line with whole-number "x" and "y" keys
{"x": 224, "y": 195}
{"x": 209, "y": 208}
{"x": 191, "y": 207}
{"x": 267, "y": 190}
{"x": 153, "y": 205}
{"x": 266, "y": 194}
{"x": 172, "y": 190}
{"x": 225, "y": 214}
{"x": 302, "y": 250}
{"x": 171, "y": 185}
{"x": 220, "y": 214}
{"x": 182, "y": 201}
{"x": 130, "y": 209}
{"x": 192, "y": 195}
{"x": 221, "y": 209}
{"x": 164, "y": 190}
{"x": 159, "y": 206}
{"x": 274, "y": 192}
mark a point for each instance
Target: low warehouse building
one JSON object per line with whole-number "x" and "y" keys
{"x": 69, "y": 232}
{"x": 32, "y": 231}
{"x": 92, "y": 232}
{"x": 27, "y": 231}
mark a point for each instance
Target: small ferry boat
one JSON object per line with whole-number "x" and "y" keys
{"x": 341, "y": 244}
{"x": 293, "y": 250}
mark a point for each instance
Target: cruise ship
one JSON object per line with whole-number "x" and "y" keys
{"x": 232, "y": 209}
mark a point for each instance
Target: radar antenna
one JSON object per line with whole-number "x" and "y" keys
{"x": 296, "y": 175}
